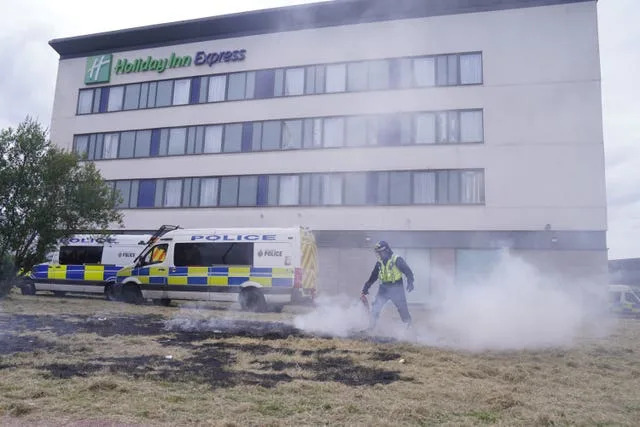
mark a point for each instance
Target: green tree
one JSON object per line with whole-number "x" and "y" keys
{"x": 46, "y": 194}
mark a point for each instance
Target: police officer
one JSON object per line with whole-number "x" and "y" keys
{"x": 389, "y": 270}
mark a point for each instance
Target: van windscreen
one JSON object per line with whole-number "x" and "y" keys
{"x": 205, "y": 254}
{"x": 78, "y": 255}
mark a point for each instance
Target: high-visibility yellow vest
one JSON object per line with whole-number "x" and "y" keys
{"x": 389, "y": 272}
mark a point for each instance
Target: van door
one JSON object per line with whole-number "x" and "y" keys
{"x": 152, "y": 271}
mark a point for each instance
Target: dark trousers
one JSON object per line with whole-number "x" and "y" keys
{"x": 395, "y": 293}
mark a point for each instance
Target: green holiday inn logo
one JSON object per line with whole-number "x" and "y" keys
{"x": 98, "y": 69}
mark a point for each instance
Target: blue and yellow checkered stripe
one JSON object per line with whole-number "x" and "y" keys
{"x": 214, "y": 276}
{"x": 86, "y": 273}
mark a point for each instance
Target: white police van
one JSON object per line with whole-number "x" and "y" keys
{"x": 85, "y": 264}
{"x": 256, "y": 266}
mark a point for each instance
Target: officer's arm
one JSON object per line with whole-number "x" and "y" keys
{"x": 372, "y": 279}
{"x": 404, "y": 268}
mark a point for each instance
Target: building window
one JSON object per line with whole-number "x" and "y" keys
{"x": 123, "y": 192}
{"x": 294, "y": 82}
{"x": 400, "y": 187}
{"x": 271, "y": 134}
{"x": 164, "y": 93}
{"x": 471, "y": 126}
{"x": 127, "y": 144}
{"x": 208, "y": 192}
{"x": 116, "y": 94}
{"x": 110, "y": 146}
{"x": 452, "y": 70}
{"x": 355, "y": 189}
{"x": 472, "y": 187}
{"x": 357, "y": 76}
{"x": 172, "y": 193}
{"x": 379, "y": 77}
{"x": 248, "y": 191}
{"x": 85, "y": 101}
{"x": 291, "y": 134}
{"x": 81, "y": 145}
{"x": 425, "y": 128}
{"x": 265, "y": 83}
{"x": 177, "y": 139}
{"x": 471, "y": 68}
{"x": 232, "y": 138}
{"x": 424, "y": 188}
{"x": 217, "y": 87}
{"x": 229, "y": 191}
{"x": 332, "y": 189}
{"x": 333, "y": 132}
{"x": 441, "y": 71}
{"x": 335, "y": 78}
{"x": 424, "y": 71}
{"x": 131, "y": 97}
{"x": 356, "y": 131}
{"x": 213, "y": 139}
{"x": 181, "y": 91}
{"x": 289, "y": 190}
{"x": 143, "y": 143}
{"x": 153, "y": 93}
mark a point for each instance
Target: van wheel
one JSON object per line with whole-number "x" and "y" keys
{"x": 251, "y": 299}
{"x": 28, "y": 289}
{"x": 109, "y": 293}
{"x": 59, "y": 293}
{"x": 165, "y": 302}
{"x": 132, "y": 294}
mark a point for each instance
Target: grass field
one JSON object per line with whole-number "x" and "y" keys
{"x": 83, "y": 361}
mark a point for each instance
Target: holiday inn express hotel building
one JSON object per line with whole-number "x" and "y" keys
{"x": 452, "y": 129}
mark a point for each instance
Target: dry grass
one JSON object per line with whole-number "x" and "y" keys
{"x": 83, "y": 361}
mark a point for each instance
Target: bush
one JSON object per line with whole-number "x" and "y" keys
{"x": 7, "y": 275}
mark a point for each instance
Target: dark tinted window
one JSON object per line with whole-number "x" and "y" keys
{"x": 78, "y": 255}
{"x": 205, "y": 254}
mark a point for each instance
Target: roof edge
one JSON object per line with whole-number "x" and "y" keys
{"x": 281, "y": 19}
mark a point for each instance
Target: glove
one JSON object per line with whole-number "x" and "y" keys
{"x": 409, "y": 286}
{"x": 365, "y": 292}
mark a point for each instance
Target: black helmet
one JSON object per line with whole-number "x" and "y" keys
{"x": 382, "y": 246}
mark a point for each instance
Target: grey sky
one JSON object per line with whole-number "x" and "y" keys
{"x": 27, "y": 79}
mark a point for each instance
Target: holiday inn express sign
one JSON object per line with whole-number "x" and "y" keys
{"x": 98, "y": 68}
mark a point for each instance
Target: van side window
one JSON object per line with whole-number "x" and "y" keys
{"x": 629, "y": 297}
{"x": 205, "y": 254}
{"x": 156, "y": 255}
{"x": 79, "y": 255}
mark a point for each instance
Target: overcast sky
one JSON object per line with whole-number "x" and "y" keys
{"x": 29, "y": 66}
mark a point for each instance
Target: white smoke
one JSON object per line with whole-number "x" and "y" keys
{"x": 338, "y": 316}
{"x": 516, "y": 307}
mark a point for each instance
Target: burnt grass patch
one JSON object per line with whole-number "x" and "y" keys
{"x": 337, "y": 369}
{"x": 209, "y": 363}
{"x": 67, "y": 324}
{"x": 11, "y": 343}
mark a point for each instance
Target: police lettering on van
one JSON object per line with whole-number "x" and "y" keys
{"x": 235, "y": 238}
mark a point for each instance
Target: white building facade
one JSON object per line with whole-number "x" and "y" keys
{"x": 451, "y": 129}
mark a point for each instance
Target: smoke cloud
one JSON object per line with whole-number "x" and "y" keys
{"x": 516, "y": 307}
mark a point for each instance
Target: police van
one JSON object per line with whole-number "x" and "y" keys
{"x": 256, "y": 267}
{"x": 85, "y": 264}
{"x": 624, "y": 300}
